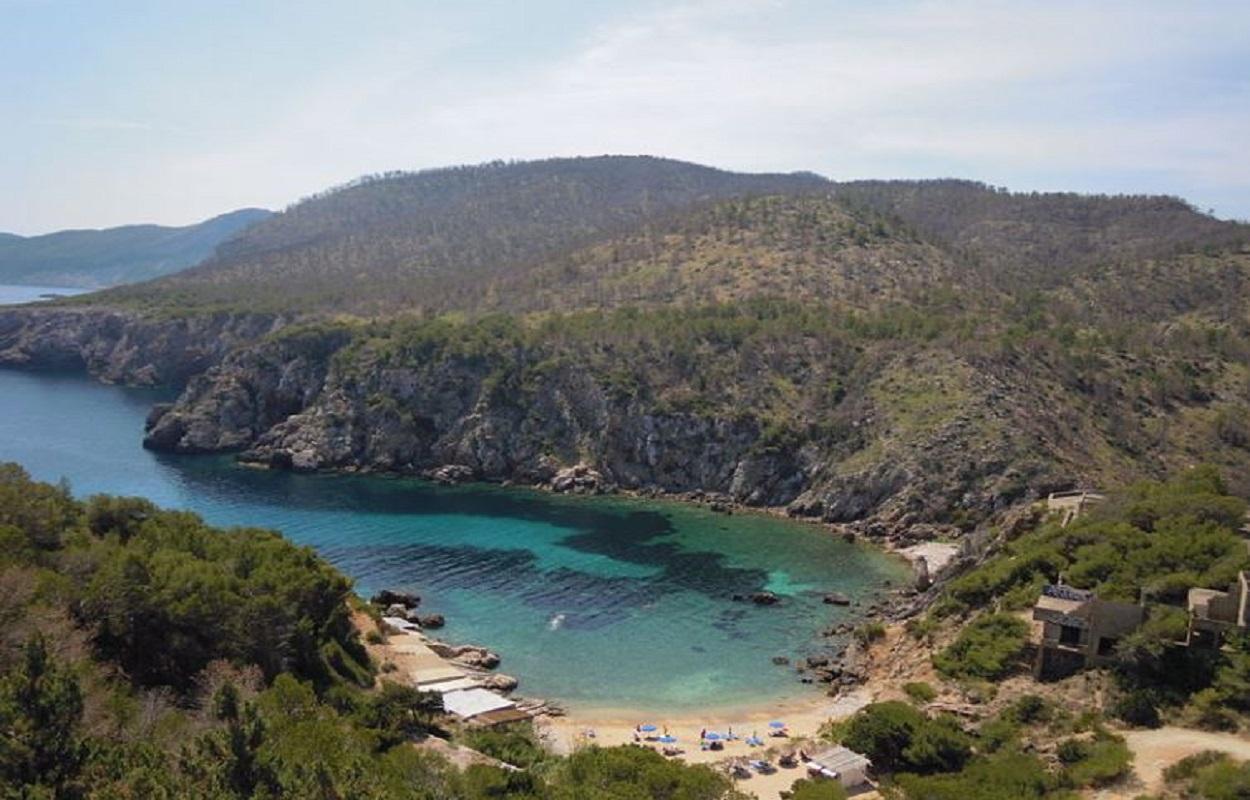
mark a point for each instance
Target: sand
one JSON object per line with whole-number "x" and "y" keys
{"x": 803, "y": 716}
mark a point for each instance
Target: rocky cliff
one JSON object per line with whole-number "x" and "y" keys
{"x": 119, "y": 346}
{"x": 323, "y": 400}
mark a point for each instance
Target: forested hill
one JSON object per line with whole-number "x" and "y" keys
{"x": 383, "y": 243}
{"x": 883, "y": 354}
{"x": 623, "y": 229}
{"x": 99, "y": 258}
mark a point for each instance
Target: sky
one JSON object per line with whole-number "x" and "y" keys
{"x": 119, "y": 111}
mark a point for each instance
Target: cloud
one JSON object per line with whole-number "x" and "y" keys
{"x": 1109, "y": 96}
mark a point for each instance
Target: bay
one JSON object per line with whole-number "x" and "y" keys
{"x": 594, "y": 602}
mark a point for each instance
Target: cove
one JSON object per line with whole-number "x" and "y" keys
{"x": 592, "y": 602}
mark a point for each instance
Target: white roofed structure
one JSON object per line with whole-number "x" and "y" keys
{"x": 469, "y": 703}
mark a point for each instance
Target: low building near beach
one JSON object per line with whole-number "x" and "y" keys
{"x": 841, "y": 764}
{"x": 1213, "y": 613}
{"x": 470, "y": 703}
{"x": 1079, "y": 630}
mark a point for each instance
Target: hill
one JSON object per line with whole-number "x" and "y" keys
{"x": 99, "y": 258}
{"x": 381, "y": 244}
{"x": 909, "y": 358}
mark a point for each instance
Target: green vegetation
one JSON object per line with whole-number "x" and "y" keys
{"x": 1209, "y": 776}
{"x": 989, "y": 648}
{"x": 919, "y": 692}
{"x": 1159, "y": 539}
{"x": 898, "y": 738}
{"x": 1154, "y": 540}
{"x": 924, "y": 758}
{"x": 146, "y": 655}
{"x": 807, "y": 789}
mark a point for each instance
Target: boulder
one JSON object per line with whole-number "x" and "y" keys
{"x": 390, "y": 597}
{"x": 431, "y": 621}
{"x": 450, "y": 474}
{"x": 478, "y": 658}
{"x": 579, "y": 478}
{"x": 837, "y": 599}
{"x": 398, "y": 610}
{"x": 781, "y": 661}
{"x": 467, "y": 655}
{"x": 500, "y": 683}
{"x": 764, "y": 598}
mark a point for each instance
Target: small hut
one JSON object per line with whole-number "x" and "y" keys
{"x": 841, "y": 764}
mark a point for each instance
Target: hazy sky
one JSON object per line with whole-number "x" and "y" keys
{"x": 114, "y": 111}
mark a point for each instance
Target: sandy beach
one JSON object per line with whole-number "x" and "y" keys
{"x": 803, "y": 717}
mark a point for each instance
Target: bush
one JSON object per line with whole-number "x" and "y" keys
{"x": 1137, "y": 707}
{"x": 807, "y": 789}
{"x": 512, "y": 744}
{"x": 1009, "y": 775}
{"x": 919, "y": 692}
{"x": 869, "y": 632}
{"x": 898, "y": 738}
{"x": 1096, "y": 762}
{"x": 989, "y": 648}
{"x": 1189, "y": 766}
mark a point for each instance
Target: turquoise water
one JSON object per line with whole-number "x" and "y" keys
{"x": 596, "y": 602}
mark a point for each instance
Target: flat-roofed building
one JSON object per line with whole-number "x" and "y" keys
{"x": 1079, "y": 630}
{"x": 1213, "y": 613}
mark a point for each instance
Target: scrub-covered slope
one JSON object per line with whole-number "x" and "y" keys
{"x": 892, "y": 354}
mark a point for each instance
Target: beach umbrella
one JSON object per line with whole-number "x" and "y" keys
{"x": 711, "y": 736}
{"x": 667, "y": 739}
{"x": 647, "y": 728}
{"x": 776, "y": 725}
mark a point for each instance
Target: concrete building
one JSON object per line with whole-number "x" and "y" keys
{"x": 1078, "y": 630}
{"x": 1213, "y": 613}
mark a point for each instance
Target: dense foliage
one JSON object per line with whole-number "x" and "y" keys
{"x": 935, "y": 758}
{"x": 1155, "y": 538}
{"x": 989, "y": 648}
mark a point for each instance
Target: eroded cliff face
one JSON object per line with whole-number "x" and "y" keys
{"x": 919, "y": 455}
{"x": 123, "y": 346}
{"x": 310, "y": 402}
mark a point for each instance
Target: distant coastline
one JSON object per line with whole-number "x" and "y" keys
{"x": 14, "y": 294}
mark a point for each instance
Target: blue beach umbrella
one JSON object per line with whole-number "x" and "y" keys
{"x": 711, "y": 736}
{"x": 667, "y": 739}
{"x": 646, "y": 728}
{"x": 776, "y": 725}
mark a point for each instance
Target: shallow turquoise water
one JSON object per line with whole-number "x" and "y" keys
{"x": 591, "y": 601}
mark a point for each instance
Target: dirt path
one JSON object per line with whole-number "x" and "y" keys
{"x": 1156, "y": 750}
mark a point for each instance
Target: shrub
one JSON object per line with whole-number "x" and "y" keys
{"x": 1096, "y": 762}
{"x": 869, "y": 632}
{"x": 1007, "y": 775}
{"x": 919, "y": 691}
{"x": 898, "y": 738}
{"x": 989, "y": 648}
{"x": 1137, "y": 707}
{"x": 513, "y": 744}
{"x": 807, "y": 789}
